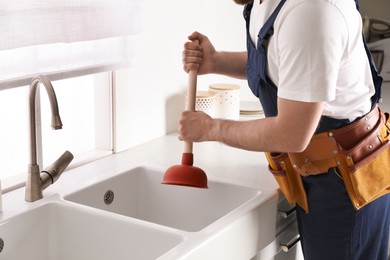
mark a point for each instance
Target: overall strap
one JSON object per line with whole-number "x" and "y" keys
{"x": 268, "y": 28}
{"x": 377, "y": 97}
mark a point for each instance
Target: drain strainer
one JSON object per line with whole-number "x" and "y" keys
{"x": 108, "y": 197}
{"x": 1, "y": 244}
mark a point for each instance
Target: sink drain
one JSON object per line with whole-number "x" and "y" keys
{"x": 1, "y": 244}
{"x": 108, "y": 197}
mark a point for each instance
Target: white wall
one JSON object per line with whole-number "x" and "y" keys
{"x": 149, "y": 104}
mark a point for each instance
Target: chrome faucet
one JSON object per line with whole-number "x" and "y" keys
{"x": 36, "y": 181}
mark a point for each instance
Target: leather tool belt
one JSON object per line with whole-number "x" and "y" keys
{"x": 360, "y": 152}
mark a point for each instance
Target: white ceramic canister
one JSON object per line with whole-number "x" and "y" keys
{"x": 205, "y": 101}
{"x": 227, "y": 104}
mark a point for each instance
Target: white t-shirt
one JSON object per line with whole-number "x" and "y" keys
{"x": 317, "y": 54}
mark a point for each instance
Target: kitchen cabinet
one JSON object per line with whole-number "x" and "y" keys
{"x": 286, "y": 245}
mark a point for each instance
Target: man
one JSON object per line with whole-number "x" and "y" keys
{"x": 307, "y": 63}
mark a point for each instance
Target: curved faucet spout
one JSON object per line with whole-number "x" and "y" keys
{"x": 35, "y": 184}
{"x": 55, "y": 118}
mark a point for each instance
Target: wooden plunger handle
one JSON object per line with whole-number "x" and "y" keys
{"x": 191, "y": 97}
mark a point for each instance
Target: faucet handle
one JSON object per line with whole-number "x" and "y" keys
{"x": 51, "y": 173}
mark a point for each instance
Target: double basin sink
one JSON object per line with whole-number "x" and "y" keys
{"x": 130, "y": 215}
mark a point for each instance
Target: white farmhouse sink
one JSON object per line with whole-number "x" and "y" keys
{"x": 63, "y": 231}
{"x": 138, "y": 193}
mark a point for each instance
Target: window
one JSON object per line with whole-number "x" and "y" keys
{"x": 65, "y": 38}
{"x": 13, "y": 133}
{"x": 64, "y": 41}
{"x": 85, "y": 109}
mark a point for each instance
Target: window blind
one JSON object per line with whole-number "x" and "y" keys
{"x": 65, "y": 38}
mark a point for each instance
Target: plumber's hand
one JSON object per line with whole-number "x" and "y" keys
{"x": 195, "y": 126}
{"x": 199, "y": 55}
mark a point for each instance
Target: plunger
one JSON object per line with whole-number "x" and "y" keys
{"x": 186, "y": 174}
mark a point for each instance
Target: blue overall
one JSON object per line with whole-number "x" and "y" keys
{"x": 332, "y": 229}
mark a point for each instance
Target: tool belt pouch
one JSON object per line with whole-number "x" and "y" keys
{"x": 289, "y": 181}
{"x": 365, "y": 167}
{"x": 318, "y": 156}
